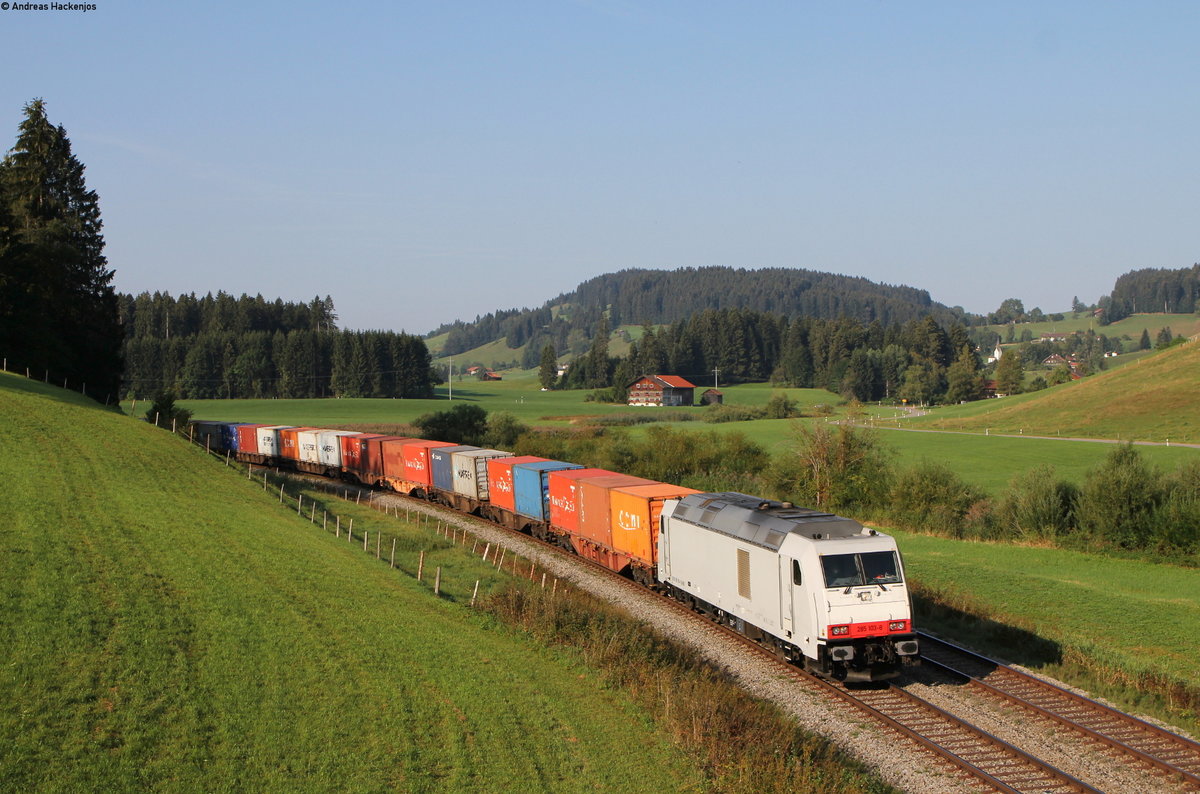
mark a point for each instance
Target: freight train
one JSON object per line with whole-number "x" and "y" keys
{"x": 820, "y": 590}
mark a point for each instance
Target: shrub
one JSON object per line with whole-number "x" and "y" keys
{"x": 1118, "y": 500}
{"x": 930, "y": 497}
{"x": 840, "y": 468}
{"x": 1037, "y": 505}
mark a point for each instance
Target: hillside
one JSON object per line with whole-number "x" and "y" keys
{"x": 167, "y": 626}
{"x": 1152, "y": 399}
{"x": 636, "y": 297}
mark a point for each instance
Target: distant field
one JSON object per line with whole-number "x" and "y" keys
{"x": 988, "y": 462}
{"x": 1155, "y": 398}
{"x": 1123, "y": 620}
{"x": 520, "y": 395}
{"x": 1185, "y": 324}
{"x": 155, "y": 639}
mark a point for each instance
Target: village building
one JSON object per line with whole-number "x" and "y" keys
{"x": 712, "y": 397}
{"x": 661, "y": 390}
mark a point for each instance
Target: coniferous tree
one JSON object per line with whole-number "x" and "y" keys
{"x": 58, "y": 311}
{"x": 548, "y": 371}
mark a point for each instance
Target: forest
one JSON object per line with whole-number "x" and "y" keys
{"x": 1153, "y": 290}
{"x": 670, "y": 296}
{"x": 225, "y": 347}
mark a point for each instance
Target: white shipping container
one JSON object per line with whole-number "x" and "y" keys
{"x": 268, "y": 439}
{"x": 329, "y": 447}
{"x": 309, "y": 443}
{"x": 470, "y": 471}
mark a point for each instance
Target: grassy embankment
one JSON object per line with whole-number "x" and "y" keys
{"x": 167, "y": 624}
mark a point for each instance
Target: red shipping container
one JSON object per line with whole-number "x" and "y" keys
{"x": 377, "y": 456}
{"x": 353, "y": 449}
{"x": 564, "y": 496}
{"x": 500, "y": 480}
{"x": 416, "y": 460}
{"x": 247, "y": 436}
{"x": 634, "y": 513}
{"x": 594, "y": 501}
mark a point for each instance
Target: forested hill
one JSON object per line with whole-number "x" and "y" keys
{"x": 636, "y": 297}
{"x": 1153, "y": 290}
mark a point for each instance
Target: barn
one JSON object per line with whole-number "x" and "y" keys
{"x": 661, "y": 390}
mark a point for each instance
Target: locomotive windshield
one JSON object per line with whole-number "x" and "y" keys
{"x": 868, "y": 568}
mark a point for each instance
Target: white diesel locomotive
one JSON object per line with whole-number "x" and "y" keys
{"x": 816, "y": 587}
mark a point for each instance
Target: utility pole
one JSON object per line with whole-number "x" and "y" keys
{"x": 451, "y": 379}
{"x": 715, "y": 371}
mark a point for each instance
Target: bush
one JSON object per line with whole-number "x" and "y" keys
{"x": 842, "y": 468}
{"x": 1037, "y": 505}
{"x": 930, "y": 497}
{"x": 164, "y": 410}
{"x": 463, "y": 424}
{"x": 1118, "y": 500}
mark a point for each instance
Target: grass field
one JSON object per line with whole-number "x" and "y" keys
{"x": 167, "y": 626}
{"x": 1132, "y": 327}
{"x": 1152, "y": 399}
{"x": 987, "y": 461}
{"x": 1128, "y": 626}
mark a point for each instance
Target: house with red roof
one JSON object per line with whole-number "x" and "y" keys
{"x": 661, "y": 390}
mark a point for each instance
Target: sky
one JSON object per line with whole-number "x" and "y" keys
{"x": 426, "y": 162}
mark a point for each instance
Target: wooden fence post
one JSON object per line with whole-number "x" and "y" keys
{"x": 337, "y": 531}
{"x": 392, "y": 564}
{"x": 486, "y": 549}
{"x": 378, "y": 540}
{"x": 299, "y": 501}
{"x": 500, "y": 564}
{"x": 420, "y": 565}
{"x": 437, "y": 581}
{"x": 475, "y": 592}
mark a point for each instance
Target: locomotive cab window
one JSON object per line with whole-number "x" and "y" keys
{"x": 796, "y": 578}
{"x": 851, "y": 570}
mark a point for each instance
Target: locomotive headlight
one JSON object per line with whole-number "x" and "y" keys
{"x": 898, "y": 625}
{"x": 839, "y": 631}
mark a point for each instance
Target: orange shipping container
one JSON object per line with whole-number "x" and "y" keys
{"x": 564, "y": 496}
{"x": 634, "y": 518}
{"x": 289, "y": 444}
{"x": 594, "y": 499}
{"x": 500, "y": 480}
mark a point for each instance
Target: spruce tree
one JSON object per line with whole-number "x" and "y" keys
{"x": 548, "y": 371}
{"x": 65, "y": 318}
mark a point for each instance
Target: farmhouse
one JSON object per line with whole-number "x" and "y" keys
{"x": 661, "y": 390}
{"x": 712, "y": 397}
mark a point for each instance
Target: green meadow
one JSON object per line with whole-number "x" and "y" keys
{"x": 983, "y": 457}
{"x": 168, "y": 626}
{"x": 1127, "y": 627}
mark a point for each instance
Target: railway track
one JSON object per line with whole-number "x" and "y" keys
{"x": 1171, "y": 755}
{"x": 983, "y": 762}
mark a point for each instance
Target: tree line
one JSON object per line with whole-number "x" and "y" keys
{"x": 58, "y": 309}
{"x": 225, "y": 347}
{"x": 1152, "y": 290}
{"x": 920, "y": 360}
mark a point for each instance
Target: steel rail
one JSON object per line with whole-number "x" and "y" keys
{"x": 1157, "y": 747}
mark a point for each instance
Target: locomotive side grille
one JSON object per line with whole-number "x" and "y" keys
{"x": 743, "y": 564}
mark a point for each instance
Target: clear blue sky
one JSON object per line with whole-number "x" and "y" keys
{"x": 422, "y": 162}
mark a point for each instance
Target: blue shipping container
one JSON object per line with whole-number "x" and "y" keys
{"x": 443, "y": 467}
{"x": 531, "y": 486}
{"x": 229, "y": 436}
